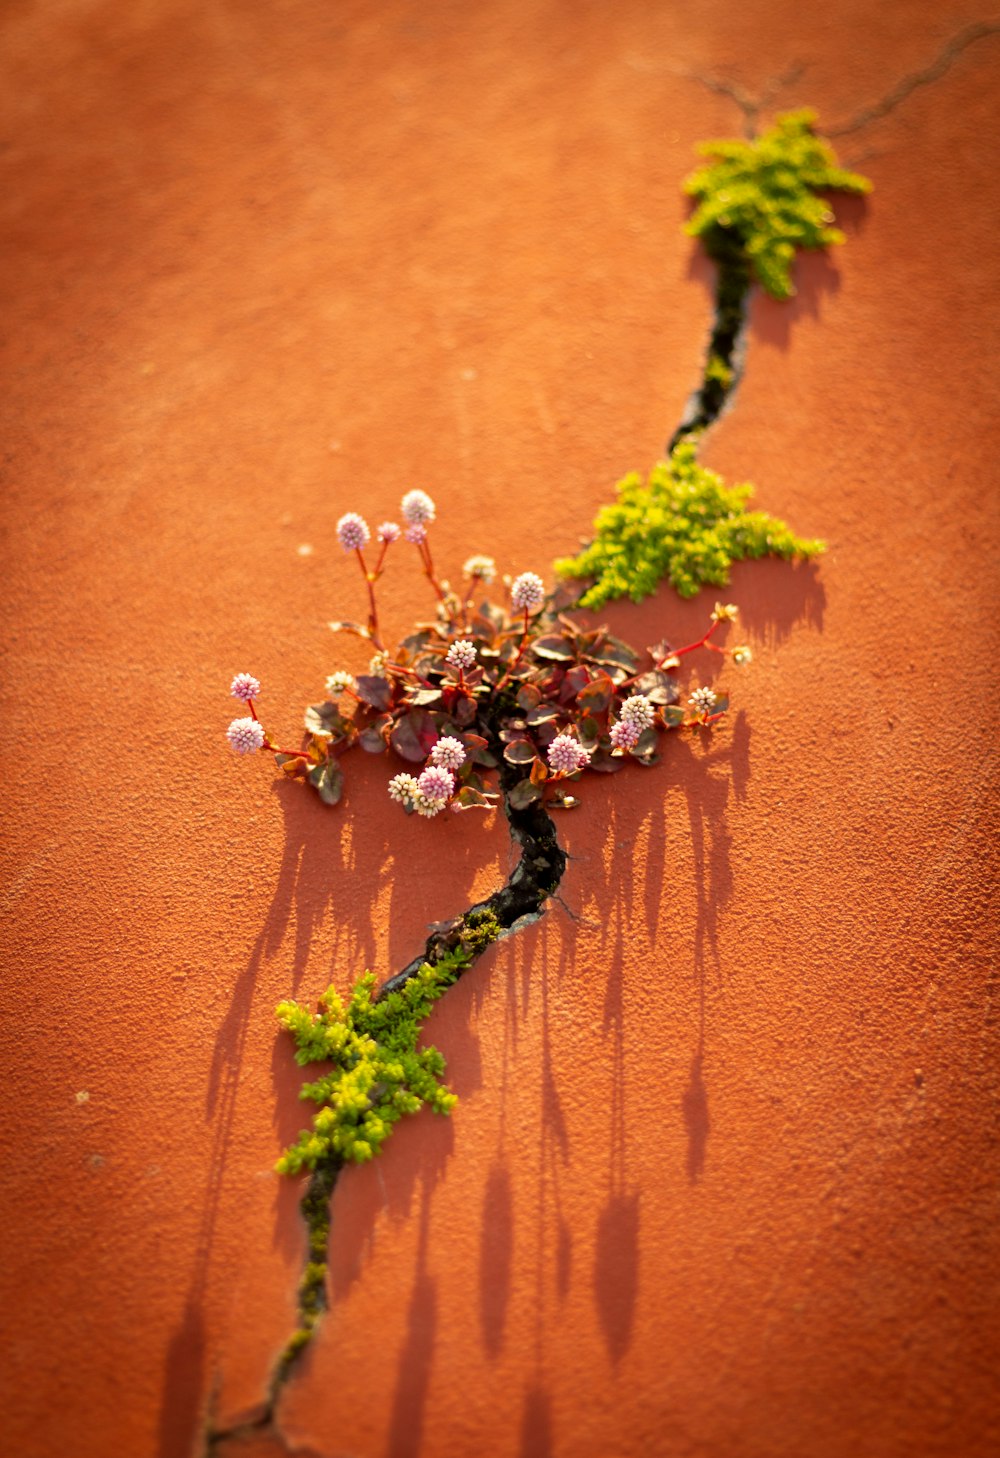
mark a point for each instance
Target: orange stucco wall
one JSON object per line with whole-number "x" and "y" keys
{"x": 723, "y": 1179}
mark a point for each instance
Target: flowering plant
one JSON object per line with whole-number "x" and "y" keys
{"x": 518, "y": 688}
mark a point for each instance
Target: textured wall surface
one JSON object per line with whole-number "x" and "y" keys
{"x": 723, "y": 1178}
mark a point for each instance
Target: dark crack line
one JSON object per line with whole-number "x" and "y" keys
{"x": 905, "y": 88}
{"x": 749, "y": 105}
{"x": 518, "y": 903}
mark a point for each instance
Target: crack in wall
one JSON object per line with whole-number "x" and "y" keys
{"x": 937, "y": 68}
{"x": 520, "y": 902}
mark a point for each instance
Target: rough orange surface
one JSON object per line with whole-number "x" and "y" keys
{"x": 723, "y": 1176}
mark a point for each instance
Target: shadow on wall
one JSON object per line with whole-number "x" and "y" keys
{"x": 321, "y": 857}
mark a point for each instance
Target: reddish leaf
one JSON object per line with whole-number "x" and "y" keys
{"x": 557, "y": 649}
{"x": 596, "y": 696}
{"x": 520, "y": 752}
{"x": 375, "y": 691}
{"x": 414, "y": 735}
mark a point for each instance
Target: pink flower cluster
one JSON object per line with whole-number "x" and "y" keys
{"x": 417, "y": 508}
{"x": 245, "y": 686}
{"x": 461, "y": 654}
{"x": 566, "y": 755}
{"x": 449, "y": 753}
{"x": 637, "y": 715}
{"x": 527, "y": 591}
{"x": 352, "y": 532}
{"x": 245, "y": 735}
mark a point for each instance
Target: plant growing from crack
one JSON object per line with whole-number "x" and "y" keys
{"x": 521, "y": 696}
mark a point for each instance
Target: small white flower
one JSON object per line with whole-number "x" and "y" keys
{"x": 428, "y": 808}
{"x": 638, "y": 712}
{"x": 703, "y": 699}
{"x": 527, "y": 591}
{"x": 339, "y": 683}
{"x": 352, "y": 531}
{"x": 482, "y": 567}
{"x": 404, "y": 790}
{"x": 378, "y": 665}
{"x": 461, "y": 654}
{"x": 449, "y": 753}
{"x": 416, "y": 534}
{"x": 245, "y": 735}
{"x": 388, "y": 532}
{"x": 417, "y": 508}
{"x": 742, "y": 654}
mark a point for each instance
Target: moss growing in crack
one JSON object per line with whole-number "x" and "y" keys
{"x": 684, "y": 524}
{"x": 378, "y": 1073}
{"x": 764, "y": 192}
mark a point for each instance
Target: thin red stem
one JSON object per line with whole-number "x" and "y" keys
{"x": 372, "y": 609}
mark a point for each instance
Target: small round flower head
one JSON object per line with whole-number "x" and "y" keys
{"x": 449, "y": 753}
{"x": 482, "y": 567}
{"x": 742, "y": 654}
{"x": 404, "y": 790}
{"x": 245, "y": 735}
{"x": 245, "y": 686}
{"x": 352, "y": 531}
{"x": 417, "y": 507}
{"x": 725, "y": 612}
{"x": 567, "y": 754}
{"x": 426, "y": 807}
{"x": 416, "y": 534}
{"x": 378, "y": 664}
{"x": 624, "y": 735}
{"x": 388, "y": 531}
{"x": 339, "y": 683}
{"x": 527, "y": 591}
{"x": 703, "y": 699}
{"x": 638, "y": 712}
{"x": 436, "y": 783}
{"x": 461, "y": 654}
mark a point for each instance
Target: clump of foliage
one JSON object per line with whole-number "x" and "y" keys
{"x": 515, "y": 690}
{"x": 764, "y": 192}
{"x": 684, "y": 524}
{"x": 376, "y": 1072}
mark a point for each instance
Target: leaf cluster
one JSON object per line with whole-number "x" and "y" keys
{"x": 535, "y": 678}
{"x": 684, "y": 524}
{"x": 765, "y": 193}
{"x": 375, "y": 1072}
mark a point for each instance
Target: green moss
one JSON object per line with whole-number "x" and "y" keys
{"x": 684, "y": 524}
{"x": 764, "y": 193}
{"x": 378, "y": 1073}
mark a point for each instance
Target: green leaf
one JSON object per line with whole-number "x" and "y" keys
{"x": 529, "y": 696}
{"x": 524, "y": 794}
{"x": 323, "y": 720}
{"x": 673, "y": 715}
{"x": 520, "y": 752}
{"x": 469, "y": 799}
{"x": 328, "y": 780}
